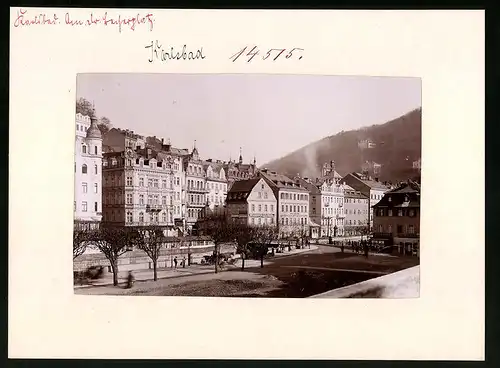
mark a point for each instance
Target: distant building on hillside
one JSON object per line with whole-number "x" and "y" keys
{"x": 397, "y": 217}
{"x": 417, "y": 165}
{"x": 366, "y": 144}
{"x": 371, "y": 168}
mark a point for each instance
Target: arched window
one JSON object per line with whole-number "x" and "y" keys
{"x": 95, "y": 169}
{"x": 84, "y": 148}
{"x": 84, "y": 169}
{"x": 141, "y": 216}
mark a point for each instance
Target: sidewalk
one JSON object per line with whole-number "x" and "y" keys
{"x": 164, "y": 273}
{"x": 146, "y": 275}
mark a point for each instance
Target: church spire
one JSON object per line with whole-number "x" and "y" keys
{"x": 241, "y": 157}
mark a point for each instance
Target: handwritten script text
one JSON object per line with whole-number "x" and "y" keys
{"x": 24, "y": 19}
{"x": 158, "y": 53}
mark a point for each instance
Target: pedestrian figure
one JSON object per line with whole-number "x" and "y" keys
{"x": 130, "y": 280}
{"x": 342, "y": 247}
{"x": 184, "y": 262}
{"x": 175, "y": 262}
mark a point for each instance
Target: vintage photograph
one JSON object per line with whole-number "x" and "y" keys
{"x": 247, "y": 185}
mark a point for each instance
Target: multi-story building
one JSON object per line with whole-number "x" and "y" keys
{"x": 397, "y": 217}
{"x": 239, "y": 171}
{"x": 117, "y": 140}
{"x": 88, "y": 173}
{"x": 252, "y": 202}
{"x": 216, "y": 185}
{"x": 144, "y": 186}
{"x": 356, "y": 211}
{"x": 372, "y": 189}
{"x": 196, "y": 188}
{"x": 326, "y": 201}
{"x": 292, "y": 215}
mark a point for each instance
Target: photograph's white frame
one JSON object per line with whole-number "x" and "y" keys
{"x": 444, "y": 48}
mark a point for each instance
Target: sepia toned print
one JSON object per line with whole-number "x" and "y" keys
{"x": 209, "y": 185}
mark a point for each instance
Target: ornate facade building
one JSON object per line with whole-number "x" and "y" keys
{"x": 88, "y": 173}
{"x": 356, "y": 211}
{"x": 239, "y": 171}
{"x": 326, "y": 201}
{"x": 145, "y": 186}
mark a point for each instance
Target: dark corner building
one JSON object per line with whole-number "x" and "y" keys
{"x": 396, "y": 219}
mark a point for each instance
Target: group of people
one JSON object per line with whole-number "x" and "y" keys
{"x": 358, "y": 246}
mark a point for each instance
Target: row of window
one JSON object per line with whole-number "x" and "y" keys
{"x": 117, "y": 198}
{"x": 293, "y": 221}
{"x": 355, "y": 200}
{"x": 331, "y": 221}
{"x": 294, "y": 196}
{"x": 261, "y": 195}
{"x": 154, "y": 217}
{"x": 264, "y": 207}
{"x": 85, "y": 207}
{"x": 261, "y": 220}
{"x": 81, "y": 128}
{"x": 194, "y": 212}
{"x": 354, "y": 212}
{"x": 400, "y": 229}
{"x": 85, "y": 188}
{"x": 84, "y": 149}
{"x": 294, "y": 208}
{"x": 353, "y": 222}
{"x": 376, "y": 196}
{"x": 85, "y": 169}
{"x": 400, "y": 212}
{"x": 331, "y": 211}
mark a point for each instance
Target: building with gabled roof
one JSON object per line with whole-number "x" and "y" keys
{"x": 252, "y": 202}
{"x": 397, "y": 217}
{"x": 372, "y": 189}
{"x": 292, "y": 215}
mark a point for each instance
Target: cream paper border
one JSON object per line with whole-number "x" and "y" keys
{"x": 444, "y": 48}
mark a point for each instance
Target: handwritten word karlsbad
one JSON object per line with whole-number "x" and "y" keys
{"x": 158, "y": 53}
{"x": 271, "y": 54}
{"x": 24, "y": 19}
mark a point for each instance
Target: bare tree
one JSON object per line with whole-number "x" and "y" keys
{"x": 80, "y": 242}
{"x": 265, "y": 235}
{"x": 150, "y": 240}
{"x": 86, "y": 108}
{"x": 220, "y": 230}
{"x": 244, "y": 234}
{"x": 113, "y": 242}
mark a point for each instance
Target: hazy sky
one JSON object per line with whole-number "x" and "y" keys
{"x": 266, "y": 115}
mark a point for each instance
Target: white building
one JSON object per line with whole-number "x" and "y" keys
{"x": 216, "y": 185}
{"x": 88, "y": 172}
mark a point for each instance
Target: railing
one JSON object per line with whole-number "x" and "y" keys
{"x": 197, "y": 190}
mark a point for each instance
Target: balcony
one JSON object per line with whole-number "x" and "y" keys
{"x": 197, "y": 190}
{"x": 153, "y": 208}
{"x": 195, "y": 204}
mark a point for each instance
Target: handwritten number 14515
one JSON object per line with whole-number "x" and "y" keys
{"x": 274, "y": 54}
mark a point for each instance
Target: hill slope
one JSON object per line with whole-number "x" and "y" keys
{"x": 398, "y": 143}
